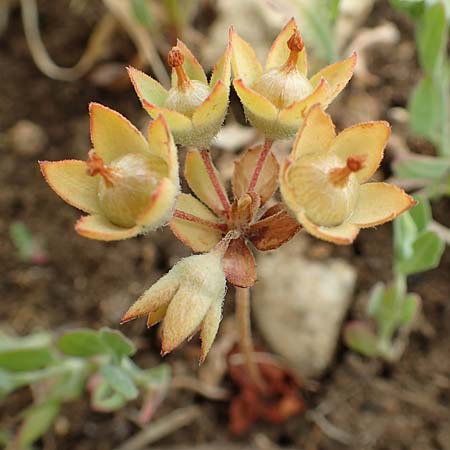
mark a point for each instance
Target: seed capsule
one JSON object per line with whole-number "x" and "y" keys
{"x": 126, "y": 187}
{"x": 327, "y": 194}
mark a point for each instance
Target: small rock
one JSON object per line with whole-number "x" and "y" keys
{"x": 27, "y": 138}
{"x": 299, "y": 305}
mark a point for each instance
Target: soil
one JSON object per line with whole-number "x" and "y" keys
{"x": 365, "y": 404}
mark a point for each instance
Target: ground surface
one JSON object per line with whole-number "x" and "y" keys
{"x": 87, "y": 283}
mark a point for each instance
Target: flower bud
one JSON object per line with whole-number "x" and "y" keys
{"x": 188, "y": 297}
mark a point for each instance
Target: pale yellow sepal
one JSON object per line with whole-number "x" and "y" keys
{"x": 147, "y": 88}
{"x": 159, "y": 210}
{"x": 343, "y": 234}
{"x": 196, "y": 174}
{"x": 244, "y": 61}
{"x": 199, "y": 236}
{"x": 337, "y": 76}
{"x": 379, "y": 203}
{"x": 99, "y": 228}
{"x": 316, "y": 134}
{"x": 291, "y": 118}
{"x": 222, "y": 69}
{"x": 191, "y": 65}
{"x": 180, "y": 125}
{"x": 70, "y": 181}
{"x": 366, "y": 139}
{"x": 112, "y": 135}
{"x": 279, "y": 52}
{"x": 209, "y": 116}
{"x": 209, "y": 328}
{"x": 260, "y": 112}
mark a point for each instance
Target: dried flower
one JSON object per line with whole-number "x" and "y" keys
{"x": 193, "y": 108}
{"x": 324, "y": 180}
{"x": 188, "y": 297}
{"x": 202, "y": 225}
{"x": 127, "y": 185}
{"x": 276, "y": 98}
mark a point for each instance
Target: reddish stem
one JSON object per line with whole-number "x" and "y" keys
{"x": 191, "y": 218}
{"x": 260, "y": 164}
{"x": 206, "y": 157}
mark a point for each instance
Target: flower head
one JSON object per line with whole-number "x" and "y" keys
{"x": 201, "y": 223}
{"x": 324, "y": 180}
{"x": 193, "y": 107}
{"x": 188, "y": 297}
{"x": 276, "y": 98}
{"x": 127, "y": 185}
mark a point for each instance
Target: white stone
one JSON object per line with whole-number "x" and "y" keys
{"x": 299, "y": 305}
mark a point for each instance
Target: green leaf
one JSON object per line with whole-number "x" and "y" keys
{"x": 375, "y": 299}
{"x": 25, "y": 353}
{"x": 106, "y": 399}
{"x": 83, "y": 342}
{"x": 142, "y": 12}
{"x": 409, "y": 309}
{"x": 7, "y": 384}
{"x": 71, "y": 385}
{"x": 388, "y": 306}
{"x": 119, "y": 381}
{"x": 425, "y": 109}
{"x": 431, "y": 38}
{"x": 360, "y": 339}
{"x": 405, "y": 233}
{"x": 38, "y": 420}
{"x": 422, "y": 167}
{"x": 427, "y": 252}
{"x": 119, "y": 344}
{"x": 421, "y": 213}
{"x": 334, "y": 9}
{"x": 413, "y": 7}
{"x": 156, "y": 376}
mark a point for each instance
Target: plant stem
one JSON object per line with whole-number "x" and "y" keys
{"x": 245, "y": 335}
{"x": 260, "y": 165}
{"x": 206, "y": 157}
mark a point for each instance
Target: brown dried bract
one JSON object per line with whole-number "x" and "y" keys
{"x": 280, "y": 401}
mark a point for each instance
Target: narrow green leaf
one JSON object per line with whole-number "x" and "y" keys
{"x": 425, "y": 109}
{"x": 360, "y": 339}
{"x": 119, "y": 344}
{"x": 38, "y": 420}
{"x": 120, "y": 381}
{"x": 431, "y": 38}
{"x": 421, "y": 213}
{"x": 83, "y": 342}
{"x": 427, "y": 252}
